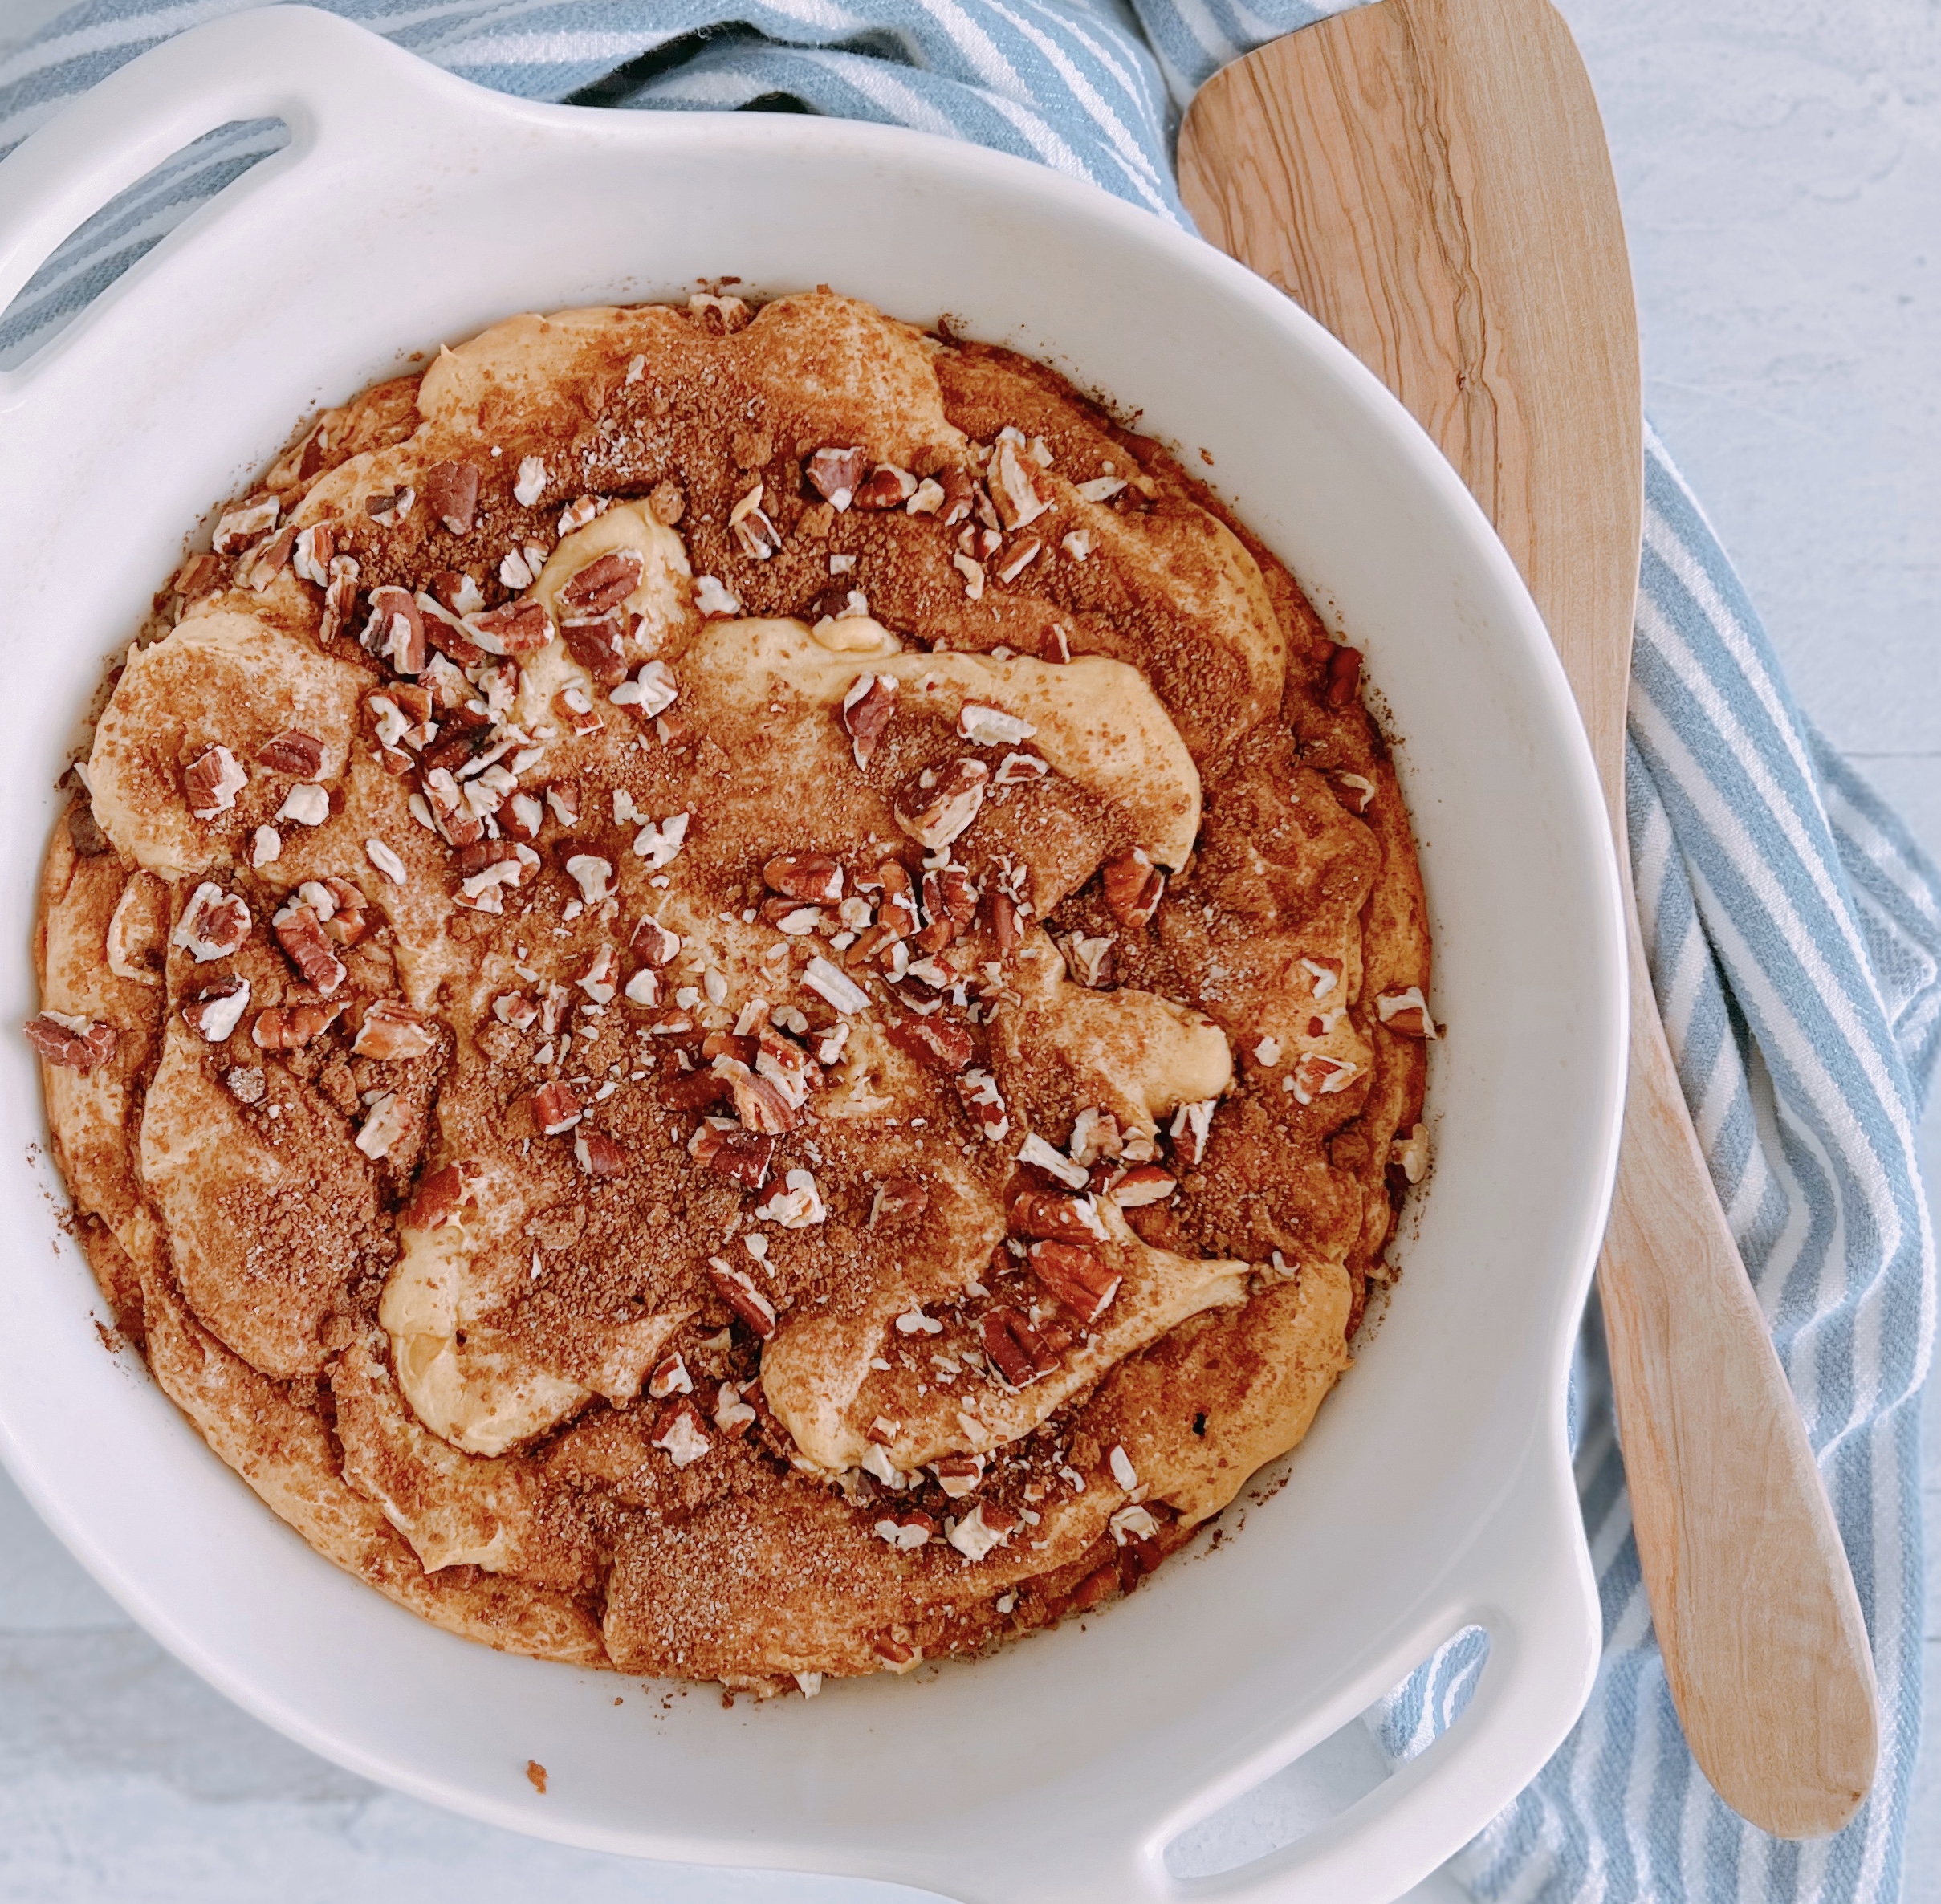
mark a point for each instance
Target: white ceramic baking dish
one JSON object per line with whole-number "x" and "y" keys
{"x": 1435, "y": 1490}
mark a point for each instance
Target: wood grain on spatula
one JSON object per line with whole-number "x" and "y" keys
{"x": 1429, "y": 179}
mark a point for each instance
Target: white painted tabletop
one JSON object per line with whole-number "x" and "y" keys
{"x": 1780, "y": 166}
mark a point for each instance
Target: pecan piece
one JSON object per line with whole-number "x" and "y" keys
{"x": 212, "y": 781}
{"x": 680, "y": 1432}
{"x": 1143, "y": 1184}
{"x": 737, "y": 1289}
{"x": 77, "y": 1044}
{"x": 603, "y": 584}
{"x": 866, "y": 709}
{"x": 755, "y": 534}
{"x": 983, "y": 1105}
{"x": 1078, "y": 1278}
{"x": 392, "y": 1030}
{"x": 599, "y": 1155}
{"x": 741, "y": 1156}
{"x": 938, "y": 1043}
{"x": 898, "y": 1197}
{"x": 339, "y": 598}
{"x": 439, "y": 1196}
{"x": 451, "y": 491}
{"x": 1016, "y": 482}
{"x": 214, "y": 1010}
{"x": 885, "y": 487}
{"x": 300, "y": 933}
{"x": 519, "y": 628}
{"x": 834, "y": 474}
{"x": 1406, "y": 1012}
{"x": 1341, "y": 680}
{"x": 292, "y": 751}
{"x": 960, "y": 495}
{"x": 936, "y": 805}
{"x": 396, "y": 630}
{"x": 555, "y": 1108}
{"x": 757, "y": 1103}
{"x": 290, "y": 1027}
{"x": 1019, "y": 1352}
{"x": 803, "y": 876}
{"x": 1055, "y": 1218}
{"x": 1134, "y": 886}
{"x": 598, "y": 647}
{"x": 213, "y": 924}
{"x": 1007, "y": 924}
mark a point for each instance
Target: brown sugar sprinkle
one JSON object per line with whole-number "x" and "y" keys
{"x": 812, "y": 1048}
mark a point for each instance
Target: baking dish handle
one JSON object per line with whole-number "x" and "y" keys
{"x": 324, "y": 77}
{"x": 1526, "y": 1579}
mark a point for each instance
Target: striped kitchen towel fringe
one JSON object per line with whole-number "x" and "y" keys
{"x": 1795, "y": 928}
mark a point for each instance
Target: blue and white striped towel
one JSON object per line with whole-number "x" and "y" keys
{"x": 1794, "y": 927}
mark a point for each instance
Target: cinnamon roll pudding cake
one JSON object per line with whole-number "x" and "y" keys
{"x": 736, "y": 993}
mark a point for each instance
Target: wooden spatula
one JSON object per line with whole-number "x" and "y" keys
{"x": 1429, "y": 179}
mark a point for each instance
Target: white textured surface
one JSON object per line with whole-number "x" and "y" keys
{"x": 1780, "y": 165}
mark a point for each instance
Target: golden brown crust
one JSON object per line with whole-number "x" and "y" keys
{"x": 722, "y": 1168}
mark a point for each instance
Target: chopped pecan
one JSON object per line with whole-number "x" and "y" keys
{"x": 741, "y": 1156}
{"x": 885, "y": 487}
{"x": 261, "y": 566}
{"x": 519, "y": 628}
{"x": 652, "y": 941}
{"x": 598, "y": 1155}
{"x": 1055, "y": 1218}
{"x": 737, "y": 1289}
{"x": 1078, "y": 1278}
{"x": 300, "y": 933}
{"x": 905, "y": 1529}
{"x": 212, "y": 781}
{"x": 1134, "y": 886}
{"x": 555, "y": 1108}
{"x": 76, "y": 1043}
{"x": 396, "y": 631}
{"x": 213, "y": 924}
{"x": 949, "y": 894}
{"x": 389, "y": 507}
{"x": 958, "y": 1474}
{"x": 1019, "y": 1352}
{"x": 1341, "y": 680}
{"x": 214, "y": 1010}
{"x": 834, "y": 474}
{"x": 198, "y": 576}
{"x": 339, "y": 598}
{"x": 1406, "y": 1012}
{"x": 563, "y": 796}
{"x": 293, "y": 752}
{"x": 898, "y": 1197}
{"x": 451, "y": 492}
{"x": 938, "y": 805}
{"x": 598, "y": 647}
{"x": 1007, "y": 924}
{"x": 680, "y": 1432}
{"x": 803, "y": 876}
{"x": 1090, "y": 961}
{"x": 290, "y": 1027}
{"x": 984, "y": 1105}
{"x": 670, "y": 1377}
{"x": 1142, "y": 1184}
{"x": 1016, "y": 482}
{"x": 866, "y": 709}
{"x": 694, "y": 1090}
{"x": 440, "y": 1196}
{"x": 603, "y": 584}
{"x": 759, "y": 1106}
{"x": 960, "y": 492}
{"x": 755, "y": 534}
{"x": 721, "y": 315}
{"x": 237, "y": 528}
{"x": 392, "y": 1029}
{"x": 942, "y": 1045}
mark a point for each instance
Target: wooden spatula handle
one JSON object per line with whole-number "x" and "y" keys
{"x": 1429, "y": 178}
